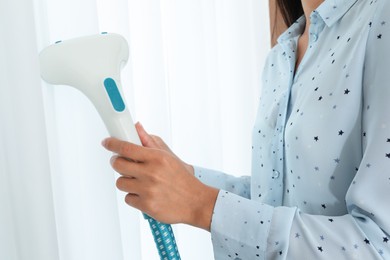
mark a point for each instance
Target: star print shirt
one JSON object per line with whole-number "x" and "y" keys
{"x": 320, "y": 183}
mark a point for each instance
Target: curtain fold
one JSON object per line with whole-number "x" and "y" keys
{"x": 193, "y": 78}
{"x": 27, "y": 207}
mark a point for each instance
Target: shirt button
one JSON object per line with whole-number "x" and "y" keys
{"x": 275, "y": 174}
{"x": 314, "y": 37}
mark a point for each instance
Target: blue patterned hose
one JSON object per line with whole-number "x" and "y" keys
{"x": 164, "y": 239}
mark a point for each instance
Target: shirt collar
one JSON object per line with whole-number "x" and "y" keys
{"x": 294, "y": 30}
{"x": 330, "y": 11}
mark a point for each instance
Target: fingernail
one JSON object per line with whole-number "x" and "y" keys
{"x": 104, "y": 142}
{"x": 112, "y": 159}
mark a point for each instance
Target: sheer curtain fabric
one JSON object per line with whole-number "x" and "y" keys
{"x": 192, "y": 78}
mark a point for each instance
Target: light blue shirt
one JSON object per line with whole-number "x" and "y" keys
{"x": 320, "y": 184}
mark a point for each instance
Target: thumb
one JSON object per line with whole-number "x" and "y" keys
{"x": 146, "y": 139}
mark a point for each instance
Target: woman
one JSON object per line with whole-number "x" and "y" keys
{"x": 320, "y": 184}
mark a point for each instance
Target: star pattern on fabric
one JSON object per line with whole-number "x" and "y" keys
{"x": 326, "y": 135}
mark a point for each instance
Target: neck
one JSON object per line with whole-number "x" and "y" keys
{"x": 308, "y": 7}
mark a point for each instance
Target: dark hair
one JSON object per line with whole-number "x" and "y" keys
{"x": 291, "y": 10}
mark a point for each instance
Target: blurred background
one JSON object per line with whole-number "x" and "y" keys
{"x": 193, "y": 78}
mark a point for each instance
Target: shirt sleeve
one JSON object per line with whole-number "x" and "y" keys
{"x": 245, "y": 229}
{"x": 220, "y": 180}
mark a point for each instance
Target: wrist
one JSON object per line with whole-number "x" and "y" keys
{"x": 202, "y": 212}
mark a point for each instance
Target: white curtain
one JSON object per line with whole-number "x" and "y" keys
{"x": 193, "y": 78}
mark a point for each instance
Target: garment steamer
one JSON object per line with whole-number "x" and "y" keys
{"x": 92, "y": 64}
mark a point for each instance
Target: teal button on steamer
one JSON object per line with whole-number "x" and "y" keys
{"x": 92, "y": 65}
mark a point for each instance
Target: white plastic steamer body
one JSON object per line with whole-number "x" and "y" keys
{"x": 92, "y": 64}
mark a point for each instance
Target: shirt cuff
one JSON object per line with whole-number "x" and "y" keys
{"x": 240, "y": 227}
{"x": 238, "y": 185}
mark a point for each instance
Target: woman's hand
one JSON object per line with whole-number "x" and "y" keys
{"x": 154, "y": 141}
{"x": 159, "y": 184}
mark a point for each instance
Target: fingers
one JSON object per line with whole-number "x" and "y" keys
{"x": 134, "y": 197}
{"x": 149, "y": 140}
{"x": 133, "y": 188}
{"x": 128, "y": 150}
{"x": 134, "y": 201}
{"x": 146, "y": 139}
{"x": 160, "y": 143}
{"x": 129, "y": 185}
{"x": 126, "y": 167}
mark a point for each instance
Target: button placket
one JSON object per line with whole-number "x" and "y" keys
{"x": 278, "y": 143}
